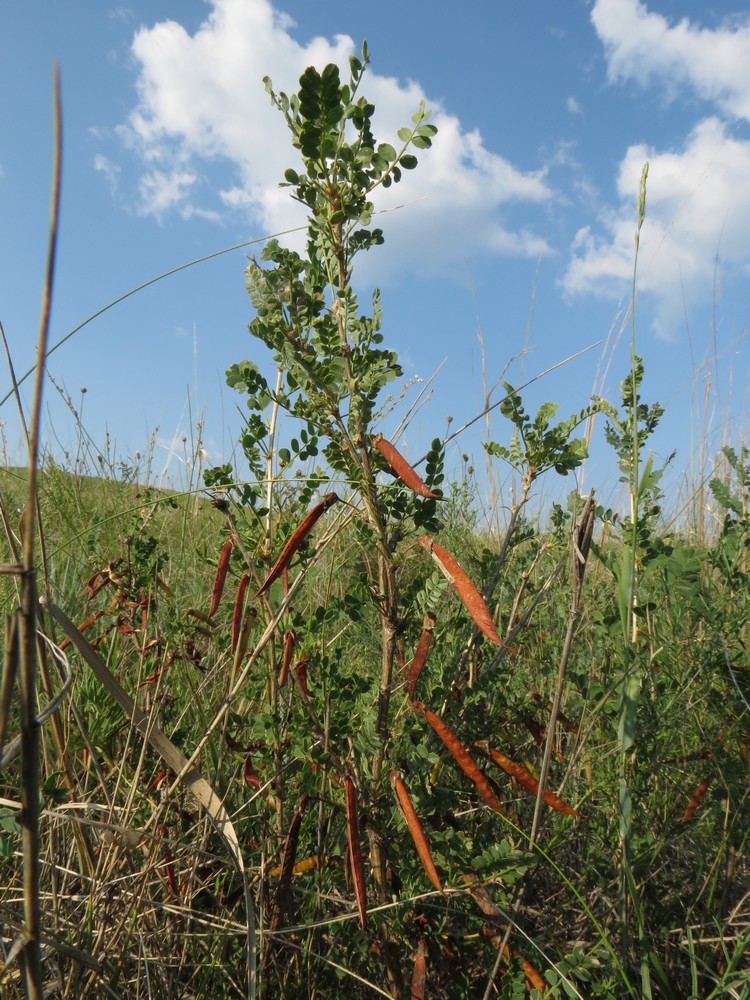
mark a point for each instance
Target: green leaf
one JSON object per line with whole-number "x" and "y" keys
{"x": 404, "y": 134}
{"x": 387, "y": 151}
{"x": 631, "y": 690}
{"x": 421, "y": 142}
{"x": 408, "y": 162}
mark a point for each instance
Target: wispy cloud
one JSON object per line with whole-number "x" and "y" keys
{"x": 109, "y": 170}
{"x": 202, "y": 102}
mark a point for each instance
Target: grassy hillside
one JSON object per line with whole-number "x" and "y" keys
{"x": 137, "y": 882}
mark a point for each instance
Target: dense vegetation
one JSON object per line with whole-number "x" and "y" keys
{"x": 315, "y": 732}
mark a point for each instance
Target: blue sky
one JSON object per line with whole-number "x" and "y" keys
{"x": 517, "y": 226}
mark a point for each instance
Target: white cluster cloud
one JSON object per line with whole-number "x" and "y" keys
{"x": 643, "y": 46}
{"x": 202, "y": 105}
{"x": 698, "y": 198}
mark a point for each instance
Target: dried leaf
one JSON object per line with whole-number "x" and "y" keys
{"x": 355, "y": 850}
{"x": 466, "y": 590}
{"x": 297, "y": 537}
{"x": 420, "y": 655}
{"x": 221, "y": 576}
{"x": 461, "y": 755}
{"x": 539, "y": 735}
{"x": 239, "y": 607}
{"x": 161, "y": 776}
{"x": 533, "y": 979}
{"x": 696, "y": 799}
{"x": 195, "y": 613}
{"x": 97, "y": 582}
{"x": 526, "y": 779}
{"x": 299, "y": 868}
{"x": 415, "y": 829}
{"x": 251, "y": 775}
{"x": 402, "y": 469}
{"x": 481, "y": 896}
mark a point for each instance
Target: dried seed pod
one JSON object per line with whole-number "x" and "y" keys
{"x": 468, "y": 593}
{"x": 415, "y": 829}
{"x": 526, "y": 779}
{"x": 695, "y": 799}
{"x": 420, "y": 656}
{"x": 402, "y": 469}
{"x": 239, "y": 606}
{"x": 419, "y": 975}
{"x": 461, "y": 756}
{"x": 290, "y": 640}
{"x": 297, "y": 537}
{"x": 355, "y": 850}
{"x": 221, "y": 575}
{"x": 288, "y": 859}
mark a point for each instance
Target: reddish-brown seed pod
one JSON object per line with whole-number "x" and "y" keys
{"x": 533, "y": 979}
{"x": 415, "y": 829}
{"x": 86, "y": 623}
{"x": 239, "y": 607}
{"x": 419, "y": 975}
{"x": 174, "y": 892}
{"x": 420, "y": 656}
{"x": 468, "y": 593}
{"x": 300, "y": 669}
{"x": 696, "y": 799}
{"x": 221, "y": 575}
{"x": 402, "y": 469}
{"x": 297, "y": 537}
{"x": 461, "y": 756}
{"x": 288, "y": 860}
{"x": 355, "y": 850}
{"x": 526, "y": 779}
